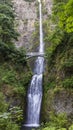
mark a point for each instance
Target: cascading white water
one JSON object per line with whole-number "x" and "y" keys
{"x": 35, "y": 89}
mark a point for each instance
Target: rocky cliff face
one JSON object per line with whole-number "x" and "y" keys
{"x": 27, "y": 15}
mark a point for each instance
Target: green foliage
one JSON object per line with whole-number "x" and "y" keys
{"x": 3, "y": 105}
{"x": 49, "y": 85}
{"x": 12, "y": 126}
{"x": 62, "y": 129}
{"x": 16, "y": 114}
{"x": 11, "y": 53}
{"x": 49, "y": 128}
{"x": 58, "y": 120}
{"x": 55, "y": 38}
{"x": 62, "y": 18}
{"x": 53, "y": 128}
{"x": 71, "y": 127}
{"x": 68, "y": 63}
{"x": 49, "y": 82}
{"x": 9, "y": 77}
{"x": 5, "y": 124}
{"x": 59, "y": 51}
{"x": 7, "y": 118}
{"x": 67, "y": 18}
{"x": 8, "y": 2}
{"x": 7, "y": 31}
{"x": 68, "y": 83}
{"x": 59, "y": 55}
{"x": 64, "y": 13}
{"x": 15, "y": 81}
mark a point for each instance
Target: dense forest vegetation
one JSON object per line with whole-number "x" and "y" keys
{"x": 59, "y": 56}
{"x": 13, "y": 69}
{"x": 15, "y": 73}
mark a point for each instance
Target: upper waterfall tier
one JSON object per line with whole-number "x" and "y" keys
{"x": 26, "y": 18}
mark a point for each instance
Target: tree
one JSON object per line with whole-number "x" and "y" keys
{"x": 7, "y": 31}
{"x": 65, "y": 15}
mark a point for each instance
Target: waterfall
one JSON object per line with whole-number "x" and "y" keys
{"x": 34, "y": 96}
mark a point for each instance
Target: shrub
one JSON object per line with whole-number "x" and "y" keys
{"x": 62, "y": 129}
{"x": 49, "y": 128}
{"x": 68, "y": 83}
{"x": 12, "y": 126}
{"x": 71, "y": 127}
{"x": 58, "y": 120}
